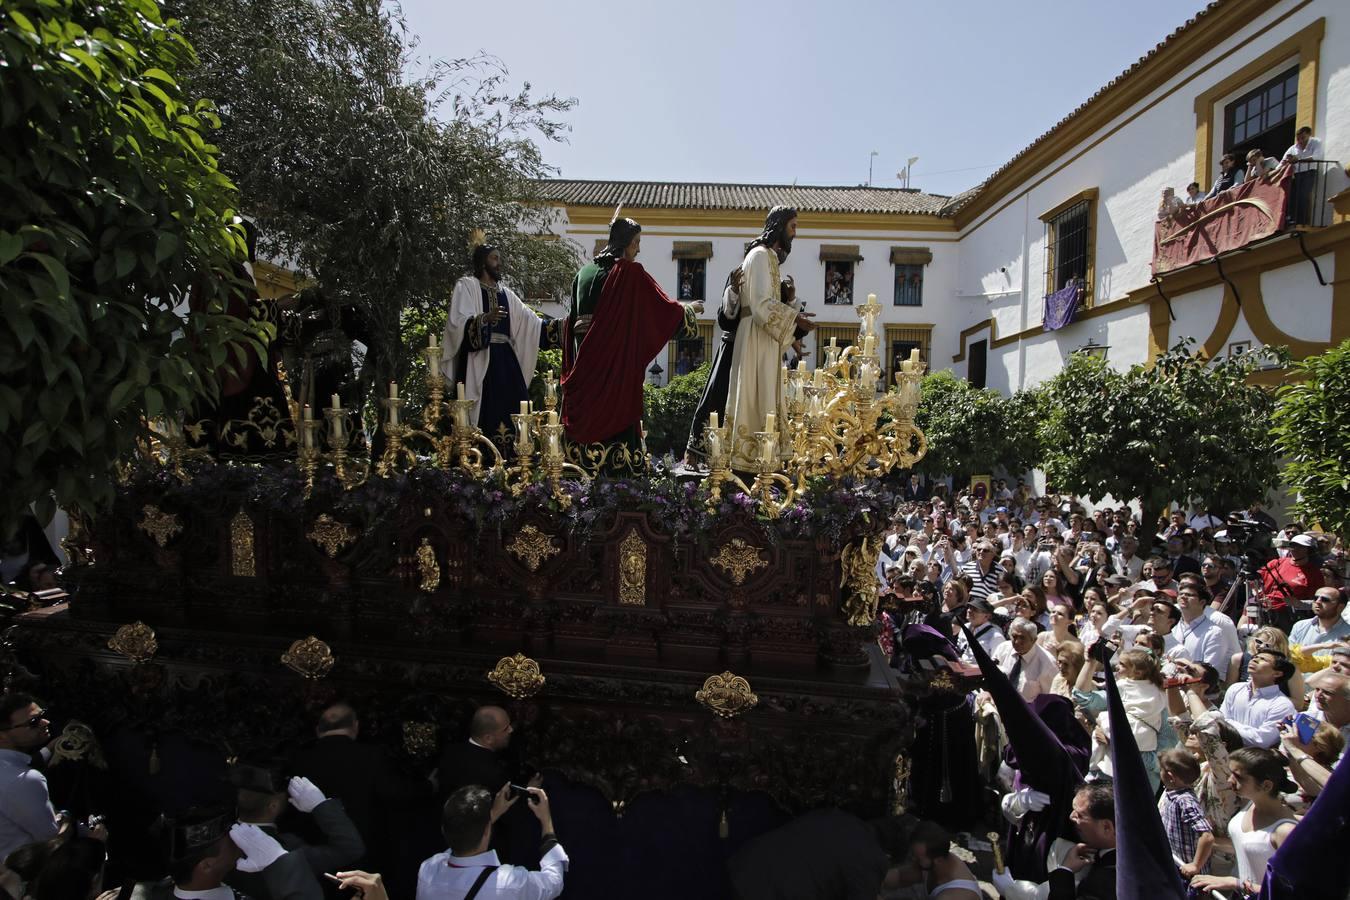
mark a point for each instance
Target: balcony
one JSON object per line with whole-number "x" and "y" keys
{"x": 1293, "y": 198}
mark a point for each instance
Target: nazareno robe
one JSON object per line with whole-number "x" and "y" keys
{"x": 495, "y": 363}
{"x": 765, "y": 328}
{"x": 619, "y": 320}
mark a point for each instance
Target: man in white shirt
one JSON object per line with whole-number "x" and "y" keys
{"x": 979, "y": 616}
{"x": 1128, "y": 561}
{"x": 1202, "y": 637}
{"x": 1256, "y": 707}
{"x": 26, "y": 814}
{"x": 1305, "y": 149}
{"x": 1028, "y": 665}
{"x": 470, "y": 870}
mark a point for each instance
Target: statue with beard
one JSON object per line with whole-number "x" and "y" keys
{"x": 714, "y": 399}
{"x": 491, "y": 344}
{"x": 620, "y": 318}
{"x": 764, "y": 329}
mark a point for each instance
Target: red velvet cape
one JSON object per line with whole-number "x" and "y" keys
{"x": 602, "y": 386}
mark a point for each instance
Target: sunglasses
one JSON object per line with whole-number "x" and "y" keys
{"x": 33, "y": 722}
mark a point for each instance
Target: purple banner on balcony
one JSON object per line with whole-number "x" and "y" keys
{"x": 1061, "y": 305}
{"x": 1251, "y": 211}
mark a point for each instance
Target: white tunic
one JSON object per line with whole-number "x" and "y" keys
{"x": 766, "y": 328}
{"x": 467, "y": 302}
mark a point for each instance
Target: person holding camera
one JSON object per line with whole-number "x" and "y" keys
{"x": 468, "y": 870}
{"x": 1289, "y": 582}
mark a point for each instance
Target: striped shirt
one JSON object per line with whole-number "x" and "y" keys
{"x": 981, "y": 586}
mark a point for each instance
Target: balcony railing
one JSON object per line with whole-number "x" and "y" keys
{"x": 1296, "y": 196}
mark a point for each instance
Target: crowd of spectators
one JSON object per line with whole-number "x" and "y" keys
{"x": 1227, "y": 635}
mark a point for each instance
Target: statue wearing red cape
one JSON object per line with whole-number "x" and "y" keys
{"x": 619, "y": 320}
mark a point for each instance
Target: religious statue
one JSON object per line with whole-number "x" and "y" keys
{"x": 619, "y": 320}
{"x": 714, "y": 399}
{"x": 765, "y": 327}
{"x": 491, "y": 344}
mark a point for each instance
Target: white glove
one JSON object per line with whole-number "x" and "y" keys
{"x": 260, "y": 849}
{"x": 1022, "y": 801}
{"x": 305, "y": 794}
{"x": 1002, "y": 882}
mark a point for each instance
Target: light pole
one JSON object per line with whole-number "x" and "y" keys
{"x": 869, "y": 167}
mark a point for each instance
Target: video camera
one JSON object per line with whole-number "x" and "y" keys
{"x": 1251, "y": 539}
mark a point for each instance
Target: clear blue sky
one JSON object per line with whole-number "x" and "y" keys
{"x": 762, "y": 92}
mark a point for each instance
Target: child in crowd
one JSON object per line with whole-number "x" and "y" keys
{"x": 1188, "y": 831}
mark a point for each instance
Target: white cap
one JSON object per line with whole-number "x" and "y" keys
{"x": 1303, "y": 540}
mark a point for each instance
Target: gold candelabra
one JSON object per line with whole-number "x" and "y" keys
{"x": 834, "y": 420}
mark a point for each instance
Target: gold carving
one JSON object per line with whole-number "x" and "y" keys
{"x": 310, "y": 658}
{"x": 77, "y": 744}
{"x": 532, "y": 547}
{"x": 331, "y": 535}
{"x": 158, "y": 524}
{"x": 427, "y": 566}
{"x": 900, "y": 788}
{"x": 738, "y": 559}
{"x": 241, "y": 546}
{"x": 136, "y": 642}
{"x": 419, "y": 739}
{"x": 727, "y": 695}
{"x": 517, "y": 676}
{"x": 633, "y": 570}
{"x": 858, "y": 581}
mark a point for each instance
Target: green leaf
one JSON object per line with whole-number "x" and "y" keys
{"x": 154, "y": 403}
{"x": 11, "y": 245}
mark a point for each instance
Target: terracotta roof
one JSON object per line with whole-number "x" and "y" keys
{"x": 702, "y": 195}
{"x": 965, "y": 197}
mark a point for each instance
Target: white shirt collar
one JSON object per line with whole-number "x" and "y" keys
{"x": 215, "y": 893}
{"x": 479, "y": 746}
{"x": 488, "y": 858}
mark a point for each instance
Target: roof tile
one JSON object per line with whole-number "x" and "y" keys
{"x": 703, "y": 195}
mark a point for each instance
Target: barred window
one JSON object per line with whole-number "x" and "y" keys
{"x": 1069, "y": 251}
{"x": 908, "y": 285}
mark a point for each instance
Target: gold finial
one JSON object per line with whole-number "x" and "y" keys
{"x": 477, "y": 238}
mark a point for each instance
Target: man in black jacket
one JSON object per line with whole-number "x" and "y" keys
{"x": 478, "y": 760}
{"x": 375, "y": 795}
{"x": 262, "y": 796}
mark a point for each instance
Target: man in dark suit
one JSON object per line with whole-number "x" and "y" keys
{"x": 374, "y": 794}
{"x": 1088, "y": 870}
{"x": 262, "y": 796}
{"x": 479, "y": 759}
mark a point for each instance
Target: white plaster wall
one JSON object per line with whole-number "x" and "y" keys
{"x": 1296, "y": 303}
{"x": 1196, "y": 312}
{"x": 1153, "y": 148}
{"x": 1127, "y": 336}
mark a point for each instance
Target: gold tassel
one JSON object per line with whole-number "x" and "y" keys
{"x": 723, "y": 829}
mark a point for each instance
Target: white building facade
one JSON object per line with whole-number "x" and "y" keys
{"x": 964, "y": 279}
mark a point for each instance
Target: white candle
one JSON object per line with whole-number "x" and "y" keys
{"x": 552, "y": 417}
{"x": 431, "y": 339}
{"x": 337, "y": 404}
{"x": 906, "y": 366}
{"x": 833, "y": 344}
{"x": 871, "y": 299}
{"x": 393, "y": 390}
{"x": 819, "y": 380}
{"x": 870, "y": 345}
{"x": 914, "y": 358}
{"x": 459, "y": 391}
{"x": 770, "y": 422}
{"x": 309, "y": 413}
{"x": 712, "y": 421}
{"x": 524, "y": 407}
